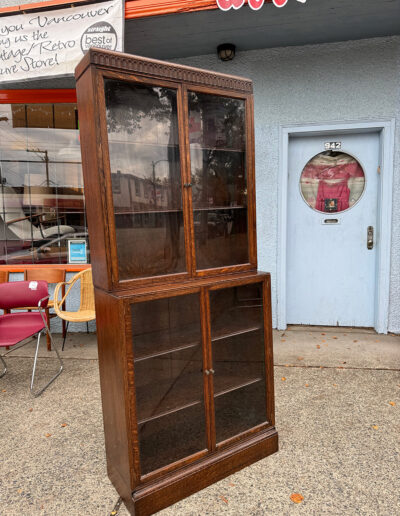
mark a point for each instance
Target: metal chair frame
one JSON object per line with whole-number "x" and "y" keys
{"x": 39, "y": 334}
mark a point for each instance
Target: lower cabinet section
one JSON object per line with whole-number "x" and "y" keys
{"x": 199, "y": 401}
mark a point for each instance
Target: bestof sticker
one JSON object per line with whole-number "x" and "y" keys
{"x": 99, "y": 35}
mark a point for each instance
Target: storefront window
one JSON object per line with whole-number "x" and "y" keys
{"x": 332, "y": 182}
{"x": 42, "y": 203}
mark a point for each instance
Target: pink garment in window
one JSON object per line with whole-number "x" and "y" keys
{"x": 339, "y": 191}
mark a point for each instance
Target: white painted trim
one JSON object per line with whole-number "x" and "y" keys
{"x": 385, "y": 229}
{"x": 384, "y": 222}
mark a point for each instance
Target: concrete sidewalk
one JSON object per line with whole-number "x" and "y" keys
{"x": 337, "y": 411}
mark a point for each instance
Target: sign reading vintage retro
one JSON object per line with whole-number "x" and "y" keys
{"x": 51, "y": 43}
{"x": 225, "y": 5}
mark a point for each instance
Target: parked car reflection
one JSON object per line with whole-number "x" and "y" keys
{"x": 214, "y": 223}
{"x": 50, "y": 251}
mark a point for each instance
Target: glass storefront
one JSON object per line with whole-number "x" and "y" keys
{"x": 42, "y": 203}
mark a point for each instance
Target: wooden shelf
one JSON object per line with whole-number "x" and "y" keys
{"x": 176, "y": 399}
{"x": 163, "y": 342}
{"x": 144, "y": 144}
{"x": 232, "y": 386}
{"x": 216, "y": 149}
{"x": 168, "y": 396}
{"x": 221, "y": 334}
{"x": 168, "y": 412}
{"x": 211, "y": 208}
{"x": 144, "y": 212}
{"x": 166, "y": 352}
{"x": 218, "y": 208}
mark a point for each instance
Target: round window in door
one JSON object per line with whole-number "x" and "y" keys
{"x": 332, "y": 182}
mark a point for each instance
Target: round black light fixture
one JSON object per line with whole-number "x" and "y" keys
{"x": 226, "y": 51}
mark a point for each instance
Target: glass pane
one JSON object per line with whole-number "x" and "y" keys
{"x": 332, "y": 182}
{"x": 218, "y": 169}
{"x": 171, "y": 438}
{"x": 142, "y": 126}
{"x": 41, "y": 183}
{"x": 169, "y": 379}
{"x": 237, "y": 335}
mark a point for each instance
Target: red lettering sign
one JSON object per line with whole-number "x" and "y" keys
{"x": 256, "y": 4}
{"x": 225, "y": 5}
{"x": 280, "y": 3}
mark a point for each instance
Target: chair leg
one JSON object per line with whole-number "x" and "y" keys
{"x": 38, "y": 393}
{"x": 65, "y": 336}
{"x": 4, "y": 365}
{"x": 47, "y": 335}
{"x": 63, "y": 328}
{"x": 6, "y": 311}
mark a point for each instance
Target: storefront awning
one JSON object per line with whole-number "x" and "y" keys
{"x": 316, "y": 21}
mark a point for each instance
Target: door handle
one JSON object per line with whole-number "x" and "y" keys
{"x": 370, "y": 237}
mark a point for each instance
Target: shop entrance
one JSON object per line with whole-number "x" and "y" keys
{"x": 332, "y": 240}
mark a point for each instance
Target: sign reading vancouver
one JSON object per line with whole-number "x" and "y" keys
{"x": 51, "y": 43}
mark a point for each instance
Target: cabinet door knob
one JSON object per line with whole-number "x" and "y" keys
{"x": 187, "y": 185}
{"x": 212, "y": 371}
{"x": 207, "y": 371}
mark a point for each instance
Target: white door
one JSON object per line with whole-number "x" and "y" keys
{"x": 332, "y": 219}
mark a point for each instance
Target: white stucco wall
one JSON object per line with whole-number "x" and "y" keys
{"x": 355, "y": 80}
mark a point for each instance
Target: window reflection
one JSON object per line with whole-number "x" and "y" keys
{"x": 41, "y": 183}
{"x": 218, "y": 168}
{"x": 332, "y": 182}
{"x": 142, "y": 124}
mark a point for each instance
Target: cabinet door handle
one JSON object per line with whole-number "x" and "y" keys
{"x": 207, "y": 372}
{"x": 187, "y": 185}
{"x": 370, "y": 237}
{"x": 212, "y": 371}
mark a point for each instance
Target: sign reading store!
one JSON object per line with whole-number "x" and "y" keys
{"x": 225, "y": 5}
{"x": 51, "y": 43}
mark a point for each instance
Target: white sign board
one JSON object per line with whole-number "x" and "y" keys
{"x": 51, "y": 43}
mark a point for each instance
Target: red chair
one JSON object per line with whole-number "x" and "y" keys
{"x": 17, "y": 327}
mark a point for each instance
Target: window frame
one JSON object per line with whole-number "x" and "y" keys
{"x": 40, "y": 96}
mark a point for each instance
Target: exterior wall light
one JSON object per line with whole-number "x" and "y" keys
{"x": 226, "y": 51}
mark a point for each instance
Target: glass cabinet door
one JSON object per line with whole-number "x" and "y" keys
{"x": 169, "y": 383}
{"x": 238, "y": 359}
{"x": 217, "y": 137}
{"x": 143, "y": 141}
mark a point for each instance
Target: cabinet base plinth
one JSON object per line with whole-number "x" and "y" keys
{"x": 178, "y": 485}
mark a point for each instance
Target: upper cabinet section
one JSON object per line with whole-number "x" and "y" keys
{"x": 168, "y": 162}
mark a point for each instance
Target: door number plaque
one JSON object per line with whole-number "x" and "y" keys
{"x": 333, "y": 145}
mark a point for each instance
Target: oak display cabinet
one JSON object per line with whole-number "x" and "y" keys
{"x": 183, "y": 316}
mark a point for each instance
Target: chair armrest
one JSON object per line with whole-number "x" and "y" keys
{"x": 40, "y": 302}
{"x": 58, "y": 304}
{"x": 41, "y": 309}
{"x": 23, "y": 218}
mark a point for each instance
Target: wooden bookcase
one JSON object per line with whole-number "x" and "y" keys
{"x": 183, "y": 315}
